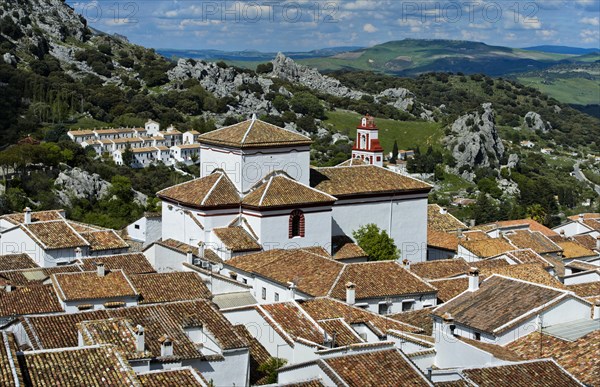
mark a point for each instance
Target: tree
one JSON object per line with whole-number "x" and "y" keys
{"x": 378, "y": 245}
{"x": 128, "y": 156}
{"x": 394, "y": 153}
{"x": 485, "y": 209}
{"x": 264, "y": 68}
{"x": 270, "y": 369}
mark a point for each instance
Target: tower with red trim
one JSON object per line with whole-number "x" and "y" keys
{"x": 367, "y": 146}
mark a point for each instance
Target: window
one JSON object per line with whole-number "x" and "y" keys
{"x": 244, "y": 281}
{"x": 477, "y": 336}
{"x": 264, "y": 293}
{"x": 407, "y": 306}
{"x": 296, "y": 227}
{"x": 137, "y": 226}
{"x": 276, "y": 296}
{"x": 384, "y": 308}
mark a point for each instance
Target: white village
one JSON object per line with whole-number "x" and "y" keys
{"x": 251, "y": 274}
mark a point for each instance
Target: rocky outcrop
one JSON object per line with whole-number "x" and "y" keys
{"x": 286, "y": 68}
{"x": 79, "y": 184}
{"x": 401, "y": 98}
{"x": 474, "y": 139}
{"x": 534, "y": 121}
{"x": 513, "y": 161}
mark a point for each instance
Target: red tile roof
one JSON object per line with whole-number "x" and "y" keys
{"x": 16, "y": 262}
{"x": 166, "y": 287}
{"x": 443, "y": 268}
{"x": 282, "y": 191}
{"x": 290, "y": 319}
{"x": 104, "y": 240}
{"x": 237, "y": 239}
{"x": 214, "y": 190}
{"x": 90, "y": 286}
{"x": 29, "y": 300}
{"x": 54, "y": 235}
{"x": 10, "y": 372}
{"x": 134, "y": 263}
{"x": 253, "y": 134}
{"x": 187, "y": 377}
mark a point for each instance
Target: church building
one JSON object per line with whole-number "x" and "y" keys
{"x": 367, "y": 146}
{"x": 257, "y": 190}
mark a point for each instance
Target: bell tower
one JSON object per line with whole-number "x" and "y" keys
{"x": 367, "y": 146}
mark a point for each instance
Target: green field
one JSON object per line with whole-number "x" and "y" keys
{"x": 580, "y": 91}
{"x": 408, "y": 133}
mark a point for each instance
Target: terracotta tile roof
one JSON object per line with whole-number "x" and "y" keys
{"x": 345, "y": 248}
{"x": 542, "y": 373}
{"x": 289, "y": 318}
{"x": 594, "y": 224}
{"x": 36, "y": 216}
{"x": 59, "y": 331}
{"x": 10, "y": 372}
{"x": 587, "y": 215}
{"x": 453, "y": 383}
{"x": 187, "y": 376}
{"x": 559, "y": 265}
{"x": 495, "y": 350}
{"x": 588, "y": 289}
{"x": 338, "y": 329}
{"x": 536, "y": 241}
{"x": 83, "y": 227}
{"x": 90, "y": 286}
{"x": 377, "y": 368}
{"x": 86, "y": 366}
{"x": 116, "y": 331}
{"x": 528, "y": 256}
{"x": 490, "y": 309}
{"x": 450, "y": 288}
{"x": 16, "y": 262}
{"x": 37, "y": 276}
{"x": 183, "y": 248}
{"x": 586, "y": 241}
{"x": 134, "y": 263}
{"x": 572, "y": 249}
{"x": 531, "y": 272}
{"x": 419, "y": 318}
{"x": 442, "y": 240}
{"x": 379, "y": 279}
{"x": 309, "y": 383}
{"x": 366, "y": 180}
{"x": 518, "y": 223}
{"x": 215, "y": 190}
{"x": 326, "y": 308}
{"x": 580, "y": 357}
{"x": 54, "y": 235}
{"x": 104, "y": 240}
{"x": 165, "y": 287}
{"x": 282, "y": 191}
{"x": 485, "y": 248}
{"x": 253, "y": 134}
{"x": 29, "y": 300}
{"x": 258, "y": 354}
{"x": 490, "y": 263}
{"x": 237, "y": 239}
{"x": 475, "y": 235}
{"x": 443, "y": 268}
{"x": 440, "y": 220}
{"x": 312, "y": 273}
{"x": 582, "y": 266}
{"x": 351, "y": 163}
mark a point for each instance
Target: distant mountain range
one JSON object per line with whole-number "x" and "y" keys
{"x": 252, "y": 55}
{"x": 410, "y": 57}
{"x": 564, "y": 50}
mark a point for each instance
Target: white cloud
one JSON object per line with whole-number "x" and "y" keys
{"x": 590, "y": 36}
{"x": 593, "y": 21}
{"x": 545, "y": 34}
{"x": 370, "y": 28}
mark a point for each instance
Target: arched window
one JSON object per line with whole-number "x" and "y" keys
{"x": 296, "y": 228}
{"x": 363, "y": 142}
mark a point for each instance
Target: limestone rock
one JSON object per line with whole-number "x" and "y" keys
{"x": 474, "y": 139}
{"x": 513, "y": 160}
{"x": 534, "y": 121}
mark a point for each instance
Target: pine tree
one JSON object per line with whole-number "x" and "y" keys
{"x": 394, "y": 153}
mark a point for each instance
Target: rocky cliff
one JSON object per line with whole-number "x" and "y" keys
{"x": 474, "y": 139}
{"x": 77, "y": 183}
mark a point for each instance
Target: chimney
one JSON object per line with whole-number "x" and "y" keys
{"x": 459, "y": 233}
{"x": 292, "y": 288}
{"x": 166, "y": 346}
{"x": 190, "y": 257}
{"x": 350, "y": 293}
{"x": 100, "y": 270}
{"x": 448, "y": 323}
{"x": 473, "y": 279}
{"x": 8, "y": 288}
{"x": 598, "y": 243}
{"x": 562, "y": 234}
{"x": 406, "y": 263}
{"x": 443, "y": 210}
{"x": 472, "y": 222}
{"x": 596, "y": 311}
{"x": 201, "y": 249}
{"x": 581, "y": 218}
{"x": 78, "y": 253}
{"x": 140, "y": 345}
{"x": 27, "y": 215}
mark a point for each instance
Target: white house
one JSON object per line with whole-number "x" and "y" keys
{"x": 147, "y": 229}
{"x": 582, "y": 224}
{"x": 186, "y": 153}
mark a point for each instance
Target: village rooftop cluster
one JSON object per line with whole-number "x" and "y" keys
{"x": 247, "y": 279}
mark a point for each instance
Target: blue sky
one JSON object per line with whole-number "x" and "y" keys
{"x": 299, "y": 25}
